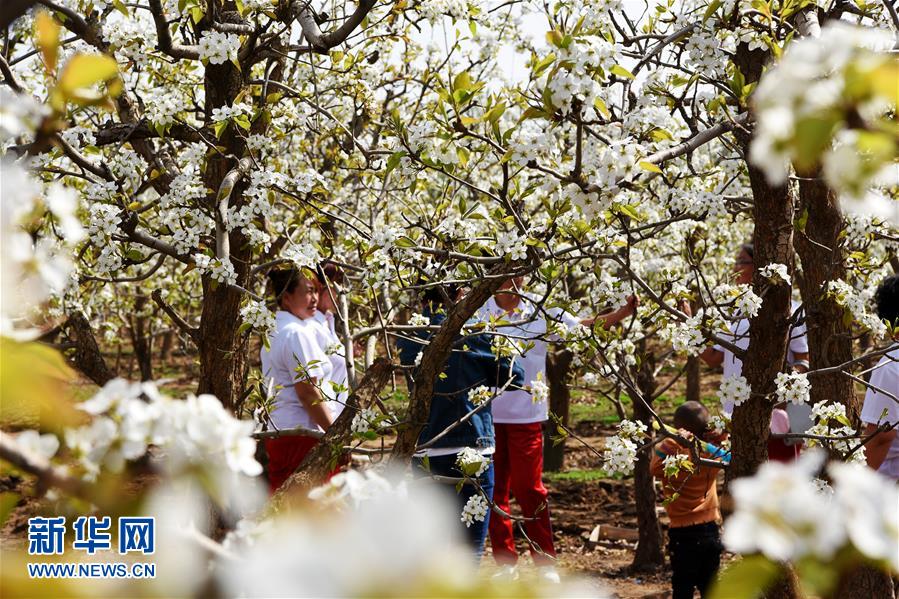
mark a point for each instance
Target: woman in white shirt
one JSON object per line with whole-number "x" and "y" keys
{"x": 880, "y": 412}
{"x": 294, "y": 366}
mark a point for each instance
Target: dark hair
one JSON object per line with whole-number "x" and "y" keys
{"x": 438, "y": 295}
{"x": 887, "y": 299}
{"x": 328, "y": 271}
{"x": 283, "y": 281}
{"x": 749, "y": 249}
{"x": 692, "y": 416}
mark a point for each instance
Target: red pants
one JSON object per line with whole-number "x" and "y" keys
{"x": 284, "y": 455}
{"x": 518, "y": 466}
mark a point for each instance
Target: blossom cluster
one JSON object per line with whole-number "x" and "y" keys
{"x": 257, "y": 315}
{"x": 480, "y": 395}
{"x": 793, "y": 387}
{"x": 780, "y": 513}
{"x": 475, "y": 510}
{"x": 621, "y": 450}
{"x": 197, "y": 431}
{"x": 776, "y": 273}
{"x": 217, "y": 47}
{"x": 856, "y": 304}
{"x": 817, "y": 79}
{"x": 734, "y": 389}
{"x": 472, "y": 463}
{"x": 831, "y": 422}
{"x": 219, "y": 270}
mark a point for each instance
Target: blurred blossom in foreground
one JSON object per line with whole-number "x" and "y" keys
{"x": 365, "y": 534}
{"x": 781, "y": 513}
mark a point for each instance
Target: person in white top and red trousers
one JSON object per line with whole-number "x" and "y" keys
{"x": 518, "y": 422}
{"x": 880, "y": 412}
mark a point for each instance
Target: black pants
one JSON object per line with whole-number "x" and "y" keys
{"x": 695, "y": 553}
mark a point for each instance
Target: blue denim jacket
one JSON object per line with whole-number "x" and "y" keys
{"x": 465, "y": 369}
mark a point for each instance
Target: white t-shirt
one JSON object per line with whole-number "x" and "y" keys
{"x": 739, "y": 336}
{"x": 886, "y": 377}
{"x": 517, "y": 406}
{"x": 333, "y": 347}
{"x": 293, "y": 343}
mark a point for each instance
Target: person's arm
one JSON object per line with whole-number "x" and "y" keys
{"x": 876, "y": 449}
{"x": 800, "y": 362}
{"x": 612, "y": 318}
{"x": 316, "y": 407}
{"x": 712, "y": 357}
{"x": 497, "y": 371}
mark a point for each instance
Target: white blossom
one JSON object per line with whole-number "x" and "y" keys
{"x": 475, "y": 510}
{"x": 480, "y": 395}
{"x": 471, "y": 462}
{"x": 793, "y": 387}
{"x": 217, "y": 47}
{"x": 776, "y": 273}
{"x": 734, "y": 389}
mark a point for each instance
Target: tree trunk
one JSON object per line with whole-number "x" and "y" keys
{"x": 222, "y": 350}
{"x": 649, "y": 555}
{"x": 694, "y": 380}
{"x": 87, "y": 357}
{"x": 768, "y": 331}
{"x": 819, "y": 250}
{"x": 557, "y": 366}
{"x": 141, "y": 338}
{"x": 168, "y": 341}
{"x": 865, "y": 581}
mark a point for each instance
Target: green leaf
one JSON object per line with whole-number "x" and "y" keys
{"x": 648, "y": 166}
{"x": 747, "y": 578}
{"x": 46, "y": 33}
{"x": 532, "y": 113}
{"x": 83, "y": 71}
{"x": 220, "y": 128}
{"x": 542, "y": 64}
{"x": 462, "y": 81}
{"x": 554, "y": 37}
{"x": 243, "y": 121}
{"x": 495, "y": 113}
{"x": 622, "y": 72}
{"x": 394, "y": 160}
{"x": 713, "y": 6}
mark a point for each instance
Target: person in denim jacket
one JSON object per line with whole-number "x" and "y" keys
{"x": 471, "y": 364}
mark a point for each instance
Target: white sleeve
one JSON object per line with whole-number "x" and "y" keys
{"x": 799, "y": 339}
{"x": 302, "y": 349}
{"x": 885, "y": 376}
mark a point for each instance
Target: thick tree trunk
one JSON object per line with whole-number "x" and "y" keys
{"x": 223, "y": 351}
{"x": 768, "y": 331}
{"x": 865, "y": 581}
{"x": 694, "y": 380}
{"x": 141, "y": 338}
{"x": 557, "y": 365}
{"x": 649, "y": 555}
{"x": 819, "y": 250}
{"x": 87, "y": 357}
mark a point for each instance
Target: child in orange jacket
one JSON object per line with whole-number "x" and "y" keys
{"x": 691, "y": 500}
